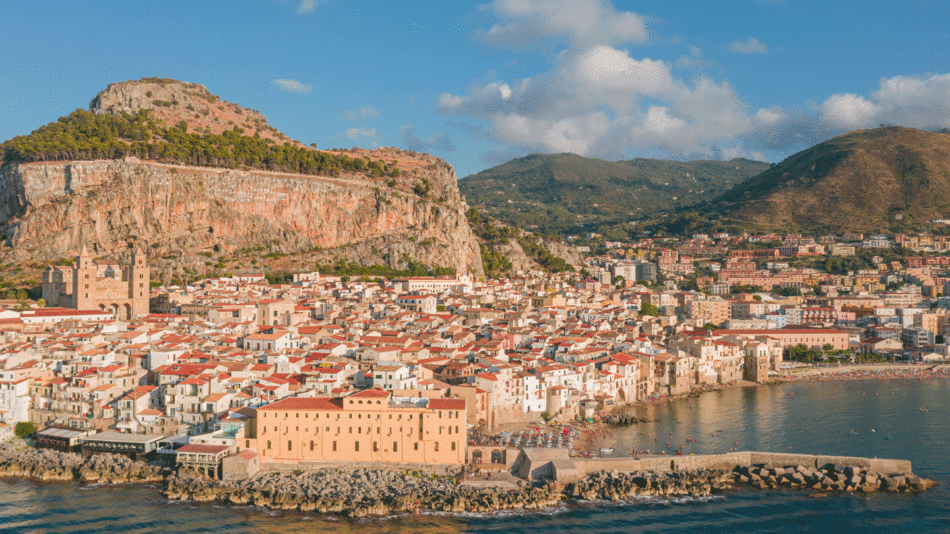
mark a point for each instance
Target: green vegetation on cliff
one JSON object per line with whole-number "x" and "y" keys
{"x": 493, "y": 233}
{"x": 85, "y": 135}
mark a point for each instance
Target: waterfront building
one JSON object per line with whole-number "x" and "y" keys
{"x": 368, "y": 426}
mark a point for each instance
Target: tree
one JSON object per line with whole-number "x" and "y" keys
{"x": 40, "y": 303}
{"x": 24, "y": 429}
{"x": 546, "y": 416}
{"x": 649, "y": 309}
{"x": 710, "y": 326}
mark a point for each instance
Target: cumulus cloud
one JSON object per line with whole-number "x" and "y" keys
{"x": 914, "y": 101}
{"x": 353, "y": 115}
{"x": 848, "y": 112}
{"x": 524, "y": 23}
{"x": 437, "y": 142}
{"x": 752, "y": 46}
{"x": 602, "y": 102}
{"x": 291, "y": 86}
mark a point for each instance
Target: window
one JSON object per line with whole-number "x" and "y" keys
{"x": 395, "y": 447}
{"x": 311, "y": 445}
{"x": 268, "y": 445}
{"x": 290, "y": 445}
{"x": 375, "y": 447}
{"x": 453, "y": 445}
{"x": 436, "y": 446}
{"x": 357, "y": 445}
{"x": 334, "y": 446}
{"x": 415, "y": 446}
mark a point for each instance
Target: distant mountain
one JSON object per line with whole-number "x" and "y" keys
{"x": 883, "y": 179}
{"x": 558, "y": 192}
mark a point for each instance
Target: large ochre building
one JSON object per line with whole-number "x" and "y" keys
{"x": 369, "y": 426}
{"x": 100, "y": 285}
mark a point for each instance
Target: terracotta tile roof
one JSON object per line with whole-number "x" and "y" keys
{"x": 446, "y": 404}
{"x": 304, "y": 403}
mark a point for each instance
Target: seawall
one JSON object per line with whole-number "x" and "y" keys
{"x": 565, "y": 469}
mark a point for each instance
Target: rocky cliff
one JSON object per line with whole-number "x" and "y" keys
{"x": 50, "y": 209}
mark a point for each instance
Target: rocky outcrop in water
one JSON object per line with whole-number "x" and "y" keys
{"x": 47, "y": 465}
{"x": 831, "y": 477}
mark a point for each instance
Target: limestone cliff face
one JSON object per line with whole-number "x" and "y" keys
{"x": 50, "y": 210}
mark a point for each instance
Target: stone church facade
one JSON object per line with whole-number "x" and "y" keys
{"x": 102, "y": 285}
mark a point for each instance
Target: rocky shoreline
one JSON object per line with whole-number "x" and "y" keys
{"x": 360, "y": 493}
{"x": 21, "y": 461}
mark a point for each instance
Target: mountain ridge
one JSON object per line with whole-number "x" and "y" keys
{"x": 882, "y": 179}
{"x": 562, "y": 191}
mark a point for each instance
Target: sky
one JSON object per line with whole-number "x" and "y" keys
{"x": 481, "y": 83}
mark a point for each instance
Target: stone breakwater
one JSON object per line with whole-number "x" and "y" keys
{"x": 375, "y": 492}
{"x": 41, "y": 464}
{"x": 831, "y": 477}
{"x": 616, "y": 486}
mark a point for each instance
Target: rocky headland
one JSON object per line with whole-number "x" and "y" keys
{"x": 189, "y": 177}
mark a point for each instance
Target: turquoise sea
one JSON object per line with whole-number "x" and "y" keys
{"x": 860, "y": 418}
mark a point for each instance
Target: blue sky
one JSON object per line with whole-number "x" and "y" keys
{"x": 480, "y": 83}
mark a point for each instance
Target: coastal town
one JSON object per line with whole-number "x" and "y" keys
{"x": 235, "y": 374}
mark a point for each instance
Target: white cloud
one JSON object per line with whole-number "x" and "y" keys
{"x": 848, "y": 112}
{"x": 598, "y": 99}
{"x": 291, "y": 86}
{"x": 360, "y": 133}
{"x": 365, "y": 112}
{"x": 902, "y": 100}
{"x": 526, "y": 22}
{"x": 752, "y": 46}
{"x": 307, "y": 7}
{"x": 601, "y": 102}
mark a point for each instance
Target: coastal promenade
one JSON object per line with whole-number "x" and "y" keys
{"x": 870, "y": 368}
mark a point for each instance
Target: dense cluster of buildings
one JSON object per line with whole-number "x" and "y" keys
{"x": 239, "y": 372}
